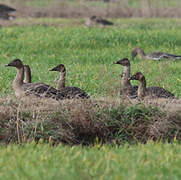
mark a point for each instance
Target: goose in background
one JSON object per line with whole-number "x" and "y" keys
{"x": 93, "y": 20}
{"x": 36, "y": 89}
{"x": 126, "y": 87}
{"x": 152, "y": 91}
{"x": 69, "y": 92}
{"x": 154, "y": 55}
{"x": 27, "y": 71}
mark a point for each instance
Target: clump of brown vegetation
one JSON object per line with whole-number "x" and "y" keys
{"x": 82, "y": 121}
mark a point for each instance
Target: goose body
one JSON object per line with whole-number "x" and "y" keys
{"x": 93, "y": 20}
{"x": 154, "y": 55}
{"x": 153, "y": 91}
{"x": 126, "y": 87}
{"x": 68, "y": 92}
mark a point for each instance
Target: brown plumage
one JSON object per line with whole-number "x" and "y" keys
{"x": 36, "y": 89}
{"x": 69, "y": 92}
{"x": 153, "y": 91}
{"x": 126, "y": 87}
{"x": 93, "y": 20}
{"x": 154, "y": 55}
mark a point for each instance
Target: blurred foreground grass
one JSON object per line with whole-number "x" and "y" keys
{"x": 149, "y": 161}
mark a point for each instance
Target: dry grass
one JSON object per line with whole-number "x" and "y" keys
{"x": 83, "y": 121}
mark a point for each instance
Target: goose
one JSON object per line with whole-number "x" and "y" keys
{"x": 27, "y": 71}
{"x": 93, "y": 20}
{"x": 69, "y": 92}
{"x": 153, "y": 55}
{"x": 126, "y": 87}
{"x": 152, "y": 91}
{"x": 36, "y": 89}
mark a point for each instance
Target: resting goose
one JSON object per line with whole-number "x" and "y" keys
{"x": 93, "y": 20}
{"x": 69, "y": 92}
{"x": 154, "y": 55}
{"x": 36, "y": 89}
{"x": 27, "y": 71}
{"x": 126, "y": 87}
{"x": 153, "y": 91}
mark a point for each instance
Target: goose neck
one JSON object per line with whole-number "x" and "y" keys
{"x": 18, "y": 81}
{"x": 61, "y": 82}
{"x": 142, "y": 88}
{"x": 27, "y": 76}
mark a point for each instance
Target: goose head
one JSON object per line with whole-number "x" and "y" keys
{"x": 59, "y": 68}
{"x": 123, "y": 62}
{"x": 16, "y": 63}
{"x": 137, "y": 76}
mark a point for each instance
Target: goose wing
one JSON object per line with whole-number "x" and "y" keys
{"x": 162, "y": 55}
{"x": 159, "y": 92}
{"x": 40, "y": 90}
{"x": 170, "y": 56}
{"x": 104, "y": 21}
{"x": 72, "y": 93}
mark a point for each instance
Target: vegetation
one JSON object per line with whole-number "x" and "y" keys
{"x": 149, "y": 161}
{"x": 89, "y": 53}
{"x": 127, "y": 140}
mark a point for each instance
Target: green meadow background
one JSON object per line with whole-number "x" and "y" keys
{"x": 88, "y": 54}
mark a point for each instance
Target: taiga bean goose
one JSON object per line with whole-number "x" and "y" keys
{"x": 69, "y": 92}
{"x": 93, "y": 20}
{"x": 36, "y": 89}
{"x": 126, "y": 87}
{"x": 27, "y": 71}
{"x": 154, "y": 55}
{"x": 153, "y": 91}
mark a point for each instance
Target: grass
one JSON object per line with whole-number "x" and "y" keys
{"x": 89, "y": 53}
{"x": 149, "y": 161}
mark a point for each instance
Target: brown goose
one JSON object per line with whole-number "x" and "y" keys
{"x": 27, "y": 71}
{"x": 153, "y": 91}
{"x": 69, "y": 92}
{"x": 126, "y": 87}
{"x": 36, "y": 89}
{"x": 93, "y": 20}
{"x": 154, "y": 55}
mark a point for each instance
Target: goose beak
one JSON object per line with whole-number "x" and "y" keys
{"x": 117, "y": 62}
{"x": 10, "y": 64}
{"x": 53, "y": 69}
{"x": 131, "y": 78}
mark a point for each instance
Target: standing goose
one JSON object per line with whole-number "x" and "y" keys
{"x": 36, "y": 89}
{"x": 126, "y": 87}
{"x": 153, "y": 55}
{"x": 153, "y": 91}
{"x": 69, "y": 92}
{"x": 27, "y": 71}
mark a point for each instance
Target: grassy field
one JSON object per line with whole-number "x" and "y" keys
{"x": 88, "y": 54}
{"x": 150, "y": 161}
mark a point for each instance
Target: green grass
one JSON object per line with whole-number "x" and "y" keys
{"x": 89, "y": 53}
{"x": 150, "y": 161}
